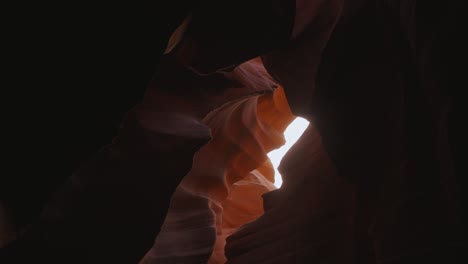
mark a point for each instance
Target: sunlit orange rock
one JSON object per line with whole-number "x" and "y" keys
{"x": 373, "y": 179}
{"x": 229, "y": 175}
{"x": 310, "y": 218}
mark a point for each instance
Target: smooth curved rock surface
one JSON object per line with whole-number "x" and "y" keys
{"x": 309, "y": 219}
{"x": 373, "y": 179}
{"x": 224, "y": 188}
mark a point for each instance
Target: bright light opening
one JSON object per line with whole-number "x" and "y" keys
{"x": 291, "y": 135}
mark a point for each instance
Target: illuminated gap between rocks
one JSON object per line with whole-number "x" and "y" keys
{"x": 291, "y": 135}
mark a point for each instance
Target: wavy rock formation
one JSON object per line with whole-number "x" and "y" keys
{"x": 373, "y": 179}
{"x": 224, "y": 188}
{"x": 369, "y": 76}
{"x": 310, "y": 218}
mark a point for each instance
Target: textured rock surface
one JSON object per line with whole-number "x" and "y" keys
{"x": 310, "y": 218}
{"x": 373, "y": 179}
{"x": 223, "y": 190}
